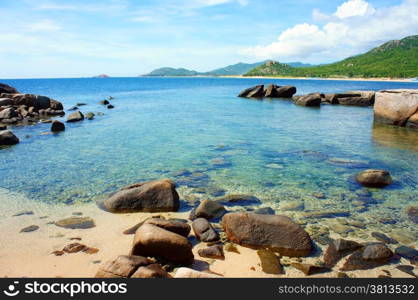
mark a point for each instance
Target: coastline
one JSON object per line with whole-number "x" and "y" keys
{"x": 329, "y": 78}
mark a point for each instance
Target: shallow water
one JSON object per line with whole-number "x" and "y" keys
{"x": 161, "y": 127}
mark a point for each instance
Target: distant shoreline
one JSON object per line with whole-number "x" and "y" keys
{"x": 328, "y": 78}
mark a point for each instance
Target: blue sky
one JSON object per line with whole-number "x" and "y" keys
{"x": 52, "y": 38}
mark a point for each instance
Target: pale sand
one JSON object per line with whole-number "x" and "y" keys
{"x": 29, "y": 254}
{"x": 329, "y": 78}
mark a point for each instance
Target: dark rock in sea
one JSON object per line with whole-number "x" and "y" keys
{"x": 276, "y": 232}
{"x": 214, "y": 252}
{"x": 238, "y": 200}
{"x": 178, "y": 227}
{"x": 7, "y": 138}
{"x": 73, "y": 108}
{"x": 30, "y": 228}
{"x": 75, "y": 117}
{"x": 253, "y": 92}
{"x": 313, "y": 99}
{"x": 3, "y": 127}
{"x": 369, "y": 257}
{"x": 151, "y": 196}
{"x": 89, "y": 116}
{"x": 275, "y": 91}
{"x": 57, "y": 126}
{"x": 23, "y": 213}
{"x": 338, "y": 249}
{"x": 81, "y": 104}
{"x": 381, "y": 237}
{"x": 122, "y": 266}
{"x": 412, "y": 212}
{"x": 4, "y": 88}
{"x": 151, "y": 271}
{"x": 407, "y": 252}
{"x": 153, "y": 241}
{"x": 104, "y": 102}
{"x": 265, "y": 211}
{"x": 308, "y": 269}
{"x": 207, "y": 209}
{"x": 204, "y": 231}
{"x": 76, "y": 223}
{"x": 387, "y": 221}
{"x": 270, "y": 262}
{"x": 110, "y": 106}
{"x": 374, "y": 178}
{"x": 407, "y": 269}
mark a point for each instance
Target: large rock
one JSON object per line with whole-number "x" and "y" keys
{"x": 122, "y": 266}
{"x": 313, "y": 99}
{"x": 178, "y": 227}
{"x": 372, "y": 256}
{"x": 338, "y": 249}
{"x": 8, "y": 113}
{"x": 354, "y": 98}
{"x": 204, "y": 231}
{"x": 275, "y": 91}
{"x": 276, "y": 232}
{"x": 207, "y": 209}
{"x": 151, "y": 240}
{"x": 57, "y": 126}
{"x": 151, "y": 196}
{"x": 8, "y": 138}
{"x": 397, "y": 107}
{"x": 374, "y": 178}
{"x": 75, "y": 117}
{"x": 253, "y": 92}
{"x": 4, "y": 88}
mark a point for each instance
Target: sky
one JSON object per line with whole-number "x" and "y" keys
{"x": 83, "y": 38}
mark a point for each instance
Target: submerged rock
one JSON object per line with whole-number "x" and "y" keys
{"x": 122, "y": 266}
{"x": 207, "y": 209}
{"x": 76, "y": 223}
{"x": 370, "y": 257}
{"x": 265, "y": 211}
{"x": 412, "y": 212}
{"x": 30, "y": 228}
{"x": 151, "y": 196}
{"x": 407, "y": 252}
{"x": 338, "y": 249}
{"x": 8, "y": 138}
{"x": 276, "y": 232}
{"x": 374, "y": 178}
{"x": 204, "y": 231}
{"x": 153, "y": 241}
{"x": 232, "y": 200}
{"x": 23, "y": 213}
{"x": 89, "y": 116}
{"x": 381, "y": 237}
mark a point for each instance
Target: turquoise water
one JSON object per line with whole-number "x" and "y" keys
{"x": 196, "y": 131}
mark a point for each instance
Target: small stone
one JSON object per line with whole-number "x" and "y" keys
{"x": 90, "y": 250}
{"x": 265, "y": 211}
{"x": 58, "y": 252}
{"x": 151, "y": 271}
{"x": 214, "y": 252}
{"x": 190, "y": 273}
{"x": 208, "y": 209}
{"x": 342, "y": 275}
{"x": 270, "y": 262}
{"x": 30, "y": 228}
{"x": 407, "y": 269}
{"x": 76, "y": 223}
{"x": 104, "y": 102}
{"x": 204, "y": 231}
{"x": 22, "y": 213}
{"x": 377, "y": 252}
{"x": 292, "y": 205}
{"x": 74, "y": 247}
{"x": 412, "y": 213}
{"x": 308, "y": 269}
{"x": 89, "y": 116}
{"x": 231, "y": 248}
{"x": 110, "y": 106}
{"x": 374, "y": 178}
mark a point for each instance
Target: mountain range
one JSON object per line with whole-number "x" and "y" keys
{"x": 393, "y": 59}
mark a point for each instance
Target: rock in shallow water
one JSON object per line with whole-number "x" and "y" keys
{"x": 154, "y": 241}
{"x": 338, "y": 249}
{"x": 75, "y": 117}
{"x": 57, "y": 126}
{"x": 151, "y": 196}
{"x": 7, "y": 138}
{"x": 30, "y": 228}
{"x": 374, "y": 178}
{"x": 412, "y": 213}
{"x": 232, "y": 200}
{"x": 276, "y": 232}
{"x": 381, "y": 237}
{"x": 372, "y": 256}
{"x": 407, "y": 252}
{"x": 207, "y": 209}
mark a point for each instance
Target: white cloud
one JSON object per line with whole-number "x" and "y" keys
{"x": 317, "y": 15}
{"x": 44, "y": 26}
{"x": 354, "y": 28}
{"x": 354, "y": 8}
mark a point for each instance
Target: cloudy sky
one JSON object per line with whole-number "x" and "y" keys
{"x": 77, "y": 38}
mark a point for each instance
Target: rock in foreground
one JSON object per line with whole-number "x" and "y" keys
{"x": 151, "y": 196}
{"x": 154, "y": 241}
{"x": 276, "y": 232}
{"x": 374, "y": 178}
{"x": 8, "y": 138}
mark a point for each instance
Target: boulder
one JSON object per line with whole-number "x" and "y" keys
{"x": 75, "y": 117}
{"x": 370, "y": 257}
{"x": 57, "y": 126}
{"x": 374, "y": 178}
{"x": 8, "y": 113}
{"x": 214, "y": 252}
{"x": 253, "y": 92}
{"x": 178, "y": 227}
{"x": 313, "y": 99}
{"x": 4, "y": 88}
{"x": 122, "y": 266}
{"x": 151, "y": 196}
{"x": 270, "y": 91}
{"x": 338, "y": 249}
{"x": 396, "y": 107}
{"x": 151, "y": 240}
{"x": 8, "y": 138}
{"x": 276, "y": 232}
{"x": 151, "y": 271}
{"x": 76, "y": 223}
{"x": 190, "y": 273}
{"x": 207, "y": 209}
{"x": 204, "y": 231}
{"x": 377, "y": 252}
{"x": 285, "y": 91}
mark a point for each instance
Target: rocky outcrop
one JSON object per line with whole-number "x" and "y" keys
{"x": 313, "y": 99}
{"x": 17, "y": 108}
{"x": 354, "y": 98}
{"x": 374, "y": 178}
{"x": 397, "y": 107}
{"x": 271, "y": 91}
{"x": 151, "y": 196}
{"x": 8, "y": 138}
{"x": 276, "y": 232}
{"x": 153, "y": 241}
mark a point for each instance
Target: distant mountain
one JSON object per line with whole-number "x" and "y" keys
{"x": 394, "y": 59}
{"x": 236, "y": 69}
{"x": 101, "y": 76}
{"x": 298, "y": 64}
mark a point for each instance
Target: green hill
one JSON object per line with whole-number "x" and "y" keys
{"x": 172, "y": 72}
{"x": 396, "y": 59}
{"x": 236, "y": 69}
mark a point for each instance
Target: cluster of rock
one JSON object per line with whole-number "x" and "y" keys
{"x": 353, "y": 98}
{"x": 271, "y": 91}
{"x": 397, "y": 107}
